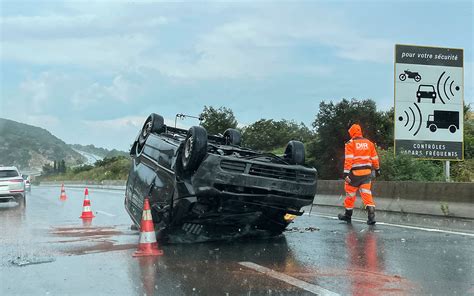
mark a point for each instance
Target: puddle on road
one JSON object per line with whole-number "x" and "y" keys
{"x": 89, "y": 240}
{"x": 100, "y": 247}
{"x": 85, "y": 231}
{"x": 361, "y": 282}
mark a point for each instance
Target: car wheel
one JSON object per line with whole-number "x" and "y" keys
{"x": 153, "y": 124}
{"x": 402, "y": 77}
{"x": 195, "y": 148}
{"x": 452, "y": 129}
{"x": 22, "y": 202}
{"x": 433, "y": 127}
{"x": 294, "y": 152}
{"x": 232, "y": 137}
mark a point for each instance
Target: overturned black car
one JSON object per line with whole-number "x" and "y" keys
{"x": 206, "y": 187}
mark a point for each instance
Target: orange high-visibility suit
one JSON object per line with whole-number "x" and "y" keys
{"x": 360, "y": 158}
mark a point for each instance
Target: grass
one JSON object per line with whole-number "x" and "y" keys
{"x": 114, "y": 168}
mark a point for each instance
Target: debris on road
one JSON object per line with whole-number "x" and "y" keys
{"x": 19, "y": 261}
{"x": 302, "y": 230}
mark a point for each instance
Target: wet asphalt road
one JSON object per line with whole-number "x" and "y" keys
{"x": 45, "y": 249}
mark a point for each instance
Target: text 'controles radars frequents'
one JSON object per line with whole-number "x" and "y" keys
{"x": 429, "y": 94}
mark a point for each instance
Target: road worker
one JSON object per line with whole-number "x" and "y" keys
{"x": 360, "y": 159}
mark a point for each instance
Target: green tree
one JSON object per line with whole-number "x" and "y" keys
{"x": 463, "y": 171}
{"x": 47, "y": 170}
{"x": 331, "y": 125}
{"x": 62, "y": 169}
{"x": 268, "y": 134}
{"x": 216, "y": 121}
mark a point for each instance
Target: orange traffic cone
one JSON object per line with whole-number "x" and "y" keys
{"x": 147, "y": 246}
{"x": 63, "y": 193}
{"x": 86, "y": 207}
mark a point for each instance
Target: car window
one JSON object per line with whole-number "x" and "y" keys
{"x": 426, "y": 88}
{"x": 8, "y": 173}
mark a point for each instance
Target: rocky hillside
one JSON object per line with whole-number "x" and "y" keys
{"x": 31, "y": 147}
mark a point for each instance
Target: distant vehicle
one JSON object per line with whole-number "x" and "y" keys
{"x": 206, "y": 187}
{"x": 12, "y": 186}
{"x": 427, "y": 92}
{"x": 412, "y": 75}
{"x": 27, "y": 182}
{"x": 443, "y": 120}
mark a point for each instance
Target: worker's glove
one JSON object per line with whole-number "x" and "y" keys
{"x": 346, "y": 177}
{"x": 377, "y": 173}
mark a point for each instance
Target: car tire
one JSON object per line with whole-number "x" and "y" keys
{"x": 153, "y": 124}
{"x": 22, "y": 202}
{"x": 452, "y": 129}
{"x": 194, "y": 149}
{"x": 433, "y": 127}
{"x": 295, "y": 152}
{"x": 232, "y": 137}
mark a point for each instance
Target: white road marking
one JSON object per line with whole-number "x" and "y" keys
{"x": 405, "y": 226}
{"x": 315, "y": 289}
{"x": 105, "y": 213}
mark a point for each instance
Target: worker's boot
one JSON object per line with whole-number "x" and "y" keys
{"x": 346, "y": 216}
{"x": 371, "y": 215}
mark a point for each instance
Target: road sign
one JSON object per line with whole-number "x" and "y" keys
{"x": 429, "y": 92}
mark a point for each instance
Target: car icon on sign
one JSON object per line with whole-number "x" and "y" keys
{"x": 427, "y": 92}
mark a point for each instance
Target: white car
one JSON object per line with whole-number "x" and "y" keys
{"x": 12, "y": 185}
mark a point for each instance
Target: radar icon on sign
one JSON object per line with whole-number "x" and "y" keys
{"x": 446, "y": 88}
{"x": 412, "y": 118}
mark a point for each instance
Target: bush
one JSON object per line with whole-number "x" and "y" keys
{"x": 407, "y": 168}
{"x": 463, "y": 171}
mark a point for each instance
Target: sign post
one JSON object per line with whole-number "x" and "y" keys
{"x": 429, "y": 95}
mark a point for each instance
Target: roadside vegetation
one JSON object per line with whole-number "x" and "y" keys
{"x": 324, "y": 143}
{"x": 114, "y": 168}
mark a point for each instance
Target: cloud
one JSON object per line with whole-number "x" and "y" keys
{"x": 242, "y": 45}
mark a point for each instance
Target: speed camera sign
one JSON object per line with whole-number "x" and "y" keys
{"x": 429, "y": 102}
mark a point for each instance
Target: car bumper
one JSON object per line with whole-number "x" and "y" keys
{"x": 288, "y": 187}
{"x": 11, "y": 196}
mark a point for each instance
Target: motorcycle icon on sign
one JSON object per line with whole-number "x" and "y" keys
{"x": 412, "y": 75}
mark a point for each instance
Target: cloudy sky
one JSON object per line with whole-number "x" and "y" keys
{"x": 90, "y": 72}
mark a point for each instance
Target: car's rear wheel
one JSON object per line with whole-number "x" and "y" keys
{"x": 153, "y": 124}
{"x": 232, "y": 137}
{"x": 195, "y": 148}
{"x": 452, "y": 129}
{"x": 22, "y": 201}
{"x": 295, "y": 153}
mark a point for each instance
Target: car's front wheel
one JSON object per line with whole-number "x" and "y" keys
{"x": 232, "y": 137}
{"x": 295, "y": 153}
{"x": 195, "y": 148}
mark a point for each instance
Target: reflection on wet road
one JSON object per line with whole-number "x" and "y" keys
{"x": 49, "y": 250}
